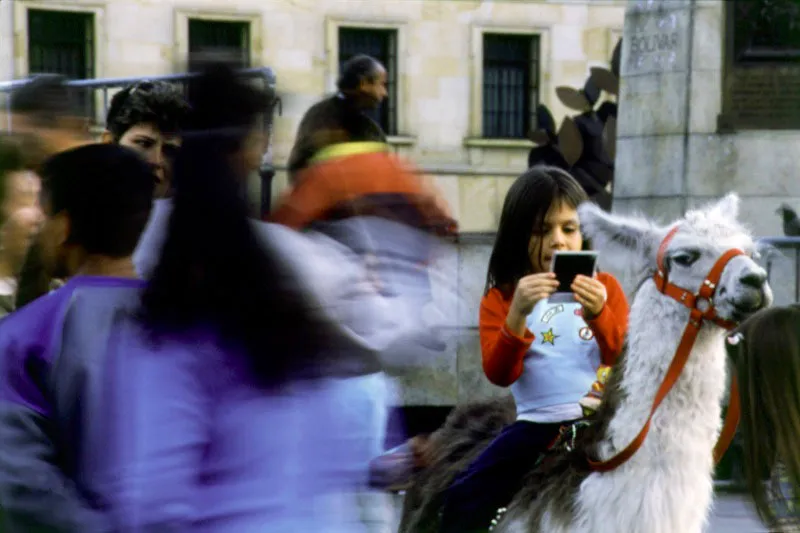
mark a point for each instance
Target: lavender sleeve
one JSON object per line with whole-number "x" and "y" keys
{"x": 35, "y": 492}
{"x": 334, "y": 277}
{"x": 343, "y": 289}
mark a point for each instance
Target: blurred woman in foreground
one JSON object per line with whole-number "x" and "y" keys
{"x": 243, "y": 385}
{"x": 766, "y": 352}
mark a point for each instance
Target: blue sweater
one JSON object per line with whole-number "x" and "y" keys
{"x": 562, "y": 362}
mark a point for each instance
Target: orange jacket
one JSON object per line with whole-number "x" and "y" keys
{"x": 503, "y": 351}
{"x": 363, "y": 178}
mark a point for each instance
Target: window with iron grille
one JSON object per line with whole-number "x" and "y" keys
{"x": 230, "y": 36}
{"x": 62, "y": 42}
{"x": 382, "y": 45}
{"x": 510, "y": 84}
{"x": 766, "y": 31}
{"x": 762, "y": 65}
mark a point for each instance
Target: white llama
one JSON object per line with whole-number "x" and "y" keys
{"x": 666, "y": 487}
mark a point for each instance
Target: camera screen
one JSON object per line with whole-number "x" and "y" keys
{"x": 567, "y": 266}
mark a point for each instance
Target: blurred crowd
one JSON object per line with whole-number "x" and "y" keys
{"x": 171, "y": 363}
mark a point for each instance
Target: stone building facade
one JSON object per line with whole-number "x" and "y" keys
{"x": 437, "y": 53}
{"x": 709, "y": 105}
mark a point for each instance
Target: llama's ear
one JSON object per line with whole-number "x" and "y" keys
{"x": 622, "y": 239}
{"x": 727, "y": 206}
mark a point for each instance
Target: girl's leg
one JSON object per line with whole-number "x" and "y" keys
{"x": 493, "y": 479}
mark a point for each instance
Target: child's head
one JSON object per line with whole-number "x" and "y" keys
{"x": 539, "y": 218}
{"x": 766, "y": 353}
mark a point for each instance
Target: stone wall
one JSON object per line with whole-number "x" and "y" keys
{"x": 439, "y": 51}
{"x": 670, "y": 155}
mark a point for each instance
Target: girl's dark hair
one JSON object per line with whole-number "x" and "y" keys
{"x": 767, "y": 361}
{"x": 526, "y": 205}
{"x": 214, "y": 270}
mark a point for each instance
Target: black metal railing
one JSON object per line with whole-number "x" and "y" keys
{"x": 104, "y": 85}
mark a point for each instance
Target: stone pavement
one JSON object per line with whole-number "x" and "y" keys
{"x": 732, "y": 513}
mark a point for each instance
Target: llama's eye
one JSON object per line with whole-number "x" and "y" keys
{"x": 685, "y": 259}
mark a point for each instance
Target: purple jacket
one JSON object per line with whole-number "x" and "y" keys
{"x": 105, "y": 429}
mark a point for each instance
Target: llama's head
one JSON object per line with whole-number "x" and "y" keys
{"x": 703, "y": 236}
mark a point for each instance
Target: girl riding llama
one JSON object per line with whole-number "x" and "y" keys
{"x": 549, "y": 354}
{"x": 766, "y": 352}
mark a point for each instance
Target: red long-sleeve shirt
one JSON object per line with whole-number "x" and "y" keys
{"x": 503, "y": 351}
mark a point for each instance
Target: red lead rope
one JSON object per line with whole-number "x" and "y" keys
{"x": 704, "y": 297}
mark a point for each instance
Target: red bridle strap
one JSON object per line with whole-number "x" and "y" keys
{"x": 701, "y": 306}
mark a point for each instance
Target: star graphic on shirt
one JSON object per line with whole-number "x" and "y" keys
{"x": 549, "y": 336}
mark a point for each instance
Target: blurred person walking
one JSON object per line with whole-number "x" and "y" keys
{"x": 20, "y": 218}
{"x": 45, "y": 119}
{"x": 289, "y": 322}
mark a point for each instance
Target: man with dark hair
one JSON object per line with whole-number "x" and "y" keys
{"x": 97, "y": 200}
{"x": 342, "y": 117}
{"x": 148, "y": 117}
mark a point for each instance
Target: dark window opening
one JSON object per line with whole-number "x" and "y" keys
{"x": 62, "y": 42}
{"x": 218, "y": 35}
{"x": 766, "y": 31}
{"x": 762, "y": 66}
{"x": 510, "y": 85}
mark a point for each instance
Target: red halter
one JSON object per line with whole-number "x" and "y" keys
{"x": 701, "y": 306}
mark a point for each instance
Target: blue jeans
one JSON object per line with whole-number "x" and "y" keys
{"x": 492, "y": 480}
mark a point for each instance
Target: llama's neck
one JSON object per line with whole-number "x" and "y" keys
{"x": 686, "y": 425}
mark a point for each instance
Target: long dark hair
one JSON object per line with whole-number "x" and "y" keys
{"x": 767, "y": 361}
{"x": 214, "y": 270}
{"x": 524, "y": 210}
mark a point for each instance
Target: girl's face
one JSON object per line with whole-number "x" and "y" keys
{"x": 561, "y": 232}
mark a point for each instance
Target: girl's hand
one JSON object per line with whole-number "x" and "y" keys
{"x": 530, "y": 290}
{"x": 591, "y": 294}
